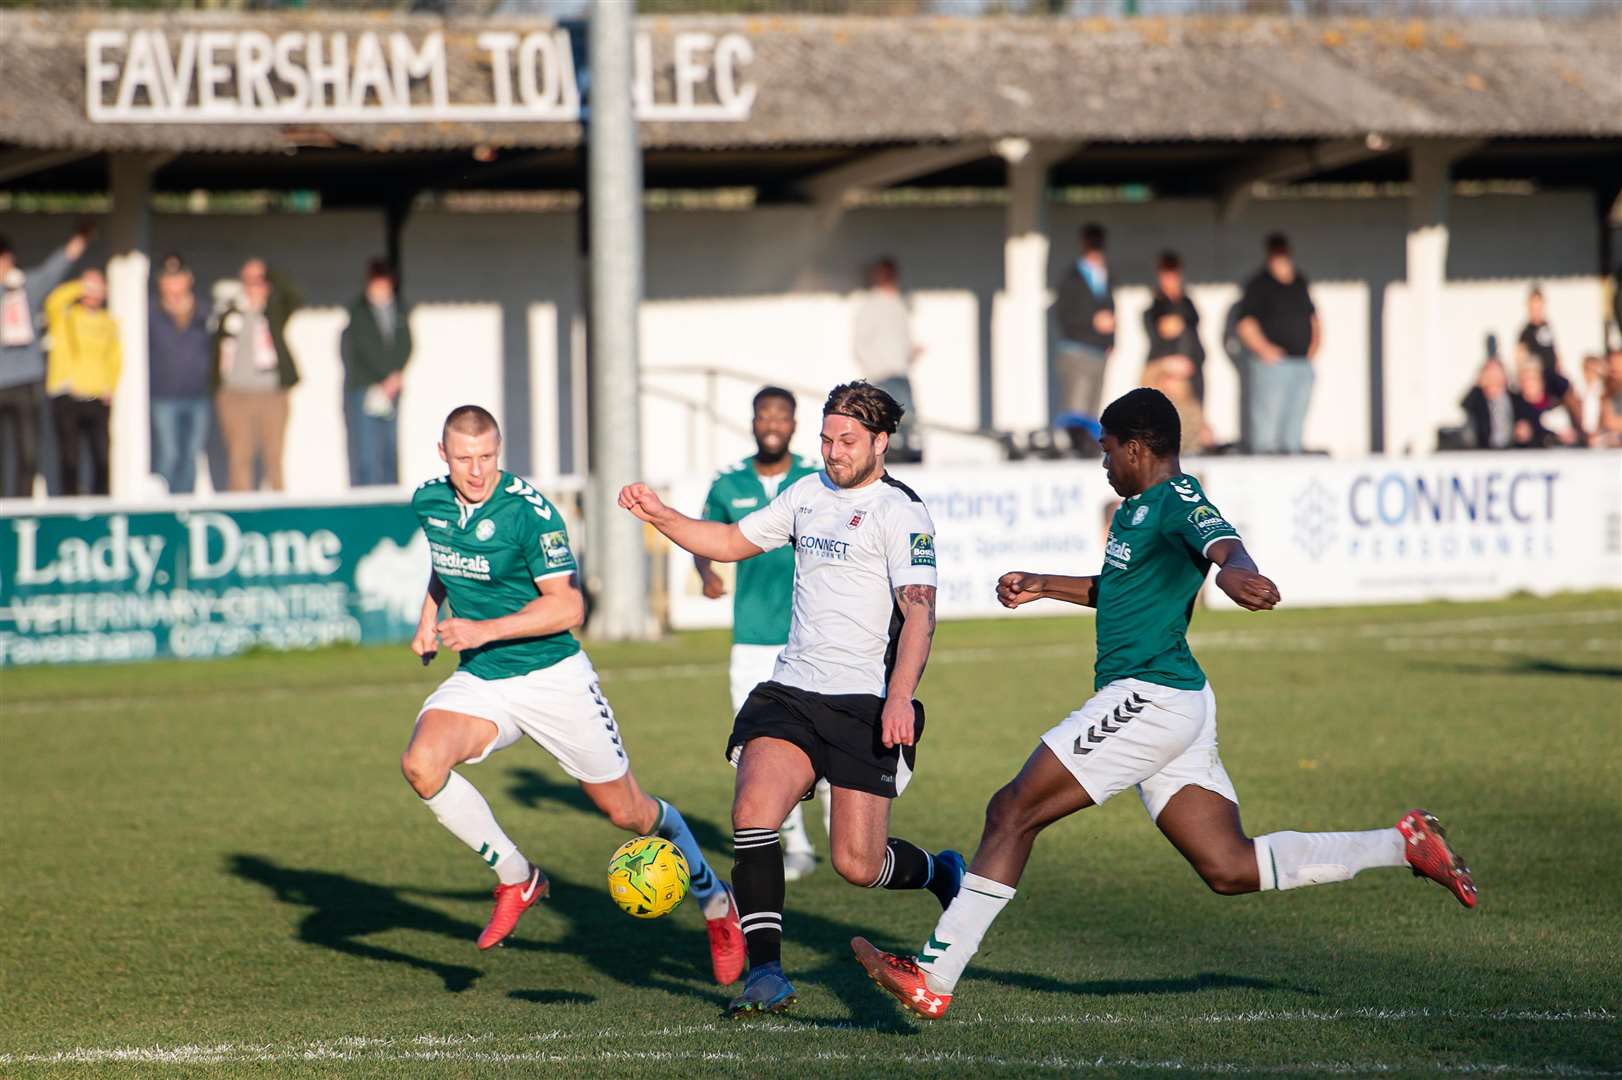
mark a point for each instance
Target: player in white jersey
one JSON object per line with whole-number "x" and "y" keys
{"x": 840, "y": 703}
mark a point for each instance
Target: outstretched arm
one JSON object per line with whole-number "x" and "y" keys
{"x": 712, "y": 540}
{"x": 1239, "y": 577}
{"x": 1021, "y": 587}
{"x": 917, "y": 604}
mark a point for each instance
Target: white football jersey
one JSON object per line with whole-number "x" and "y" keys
{"x": 852, "y": 549}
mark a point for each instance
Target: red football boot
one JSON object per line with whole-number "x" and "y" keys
{"x": 1430, "y": 856}
{"x": 727, "y": 948}
{"x": 511, "y": 902}
{"x": 902, "y": 979}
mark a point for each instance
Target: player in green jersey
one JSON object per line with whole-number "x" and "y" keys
{"x": 761, "y": 608}
{"x": 1151, "y": 722}
{"x": 501, "y": 558}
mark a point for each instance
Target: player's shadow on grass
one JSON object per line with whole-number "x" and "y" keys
{"x": 346, "y": 910}
{"x": 534, "y": 789}
{"x": 1192, "y": 984}
{"x": 1528, "y": 665}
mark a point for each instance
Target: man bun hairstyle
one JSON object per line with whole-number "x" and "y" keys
{"x": 1147, "y": 415}
{"x": 767, "y": 393}
{"x": 469, "y": 420}
{"x": 866, "y": 404}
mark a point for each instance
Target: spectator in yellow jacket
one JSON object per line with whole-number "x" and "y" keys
{"x": 81, "y": 376}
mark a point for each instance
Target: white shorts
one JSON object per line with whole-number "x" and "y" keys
{"x": 1137, "y": 733}
{"x": 560, "y": 707}
{"x": 751, "y": 665}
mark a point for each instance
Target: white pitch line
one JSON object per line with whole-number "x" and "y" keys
{"x": 1395, "y": 637}
{"x": 466, "y": 1046}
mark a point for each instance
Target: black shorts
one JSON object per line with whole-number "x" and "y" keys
{"x": 842, "y": 734}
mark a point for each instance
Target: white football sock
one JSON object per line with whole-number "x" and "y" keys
{"x": 796, "y": 841}
{"x": 1289, "y": 860}
{"x": 957, "y": 936}
{"x": 461, "y": 809}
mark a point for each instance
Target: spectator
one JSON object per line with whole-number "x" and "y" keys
{"x": 1279, "y": 326}
{"x": 375, "y": 346}
{"x": 252, "y": 373}
{"x": 86, "y": 357}
{"x": 1532, "y": 428}
{"x": 1175, "y": 353}
{"x": 1609, "y": 431}
{"x": 1494, "y": 411}
{"x": 22, "y": 361}
{"x": 181, "y": 356}
{"x": 1537, "y": 337}
{"x": 1172, "y": 323}
{"x": 881, "y": 339}
{"x": 1084, "y": 308}
{"x": 1592, "y": 390}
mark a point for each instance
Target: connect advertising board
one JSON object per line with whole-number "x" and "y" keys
{"x": 206, "y": 581}
{"x": 1448, "y": 527}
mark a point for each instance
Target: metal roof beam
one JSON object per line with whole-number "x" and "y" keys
{"x": 1293, "y": 163}
{"x": 16, "y": 164}
{"x": 886, "y": 168}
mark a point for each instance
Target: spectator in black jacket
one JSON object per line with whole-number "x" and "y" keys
{"x": 375, "y": 346}
{"x": 1085, "y": 312}
{"x": 1172, "y": 323}
{"x": 1537, "y": 339}
{"x": 1499, "y": 417}
{"x": 1281, "y": 331}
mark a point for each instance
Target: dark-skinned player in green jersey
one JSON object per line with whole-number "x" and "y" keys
{"x": 501, "y": 558}
{"x": 1151, "y": 723}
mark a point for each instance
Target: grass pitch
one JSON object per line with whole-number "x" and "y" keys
{"x": 216, "y": 869}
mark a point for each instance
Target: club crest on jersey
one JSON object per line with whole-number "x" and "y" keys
{"x": 555, "y": 549}
{"x": 856, "y": 519}
{"x": 485, "y": 529}
{"x": 1139, "y": 514}
{"x": 923, "y": 549}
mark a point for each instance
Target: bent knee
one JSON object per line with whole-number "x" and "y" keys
{"x": 1232, "y": 877}
{"x": 423, "y": 772}
{"x": 1006, "y": 814}
{"x": 857, "y": 867}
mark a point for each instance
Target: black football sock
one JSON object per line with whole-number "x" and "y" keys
{"x": 906, "y": 866}
{"x": 757, "y": 882}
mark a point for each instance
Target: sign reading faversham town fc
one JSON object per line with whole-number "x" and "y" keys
{"x": 250, "y": 76}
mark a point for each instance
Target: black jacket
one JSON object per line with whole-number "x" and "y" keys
{"x": 1075, "y": 306}
{"x": 1475, "y": 411}
{"x": 367, "y": 357}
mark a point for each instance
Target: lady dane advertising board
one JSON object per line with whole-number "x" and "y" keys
{"x": 206, "y": 582}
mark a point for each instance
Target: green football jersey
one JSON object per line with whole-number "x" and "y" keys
{"x": 1154, "y": 566}
{"x": 763, "y": 597}
{"x": 490, "y": 558}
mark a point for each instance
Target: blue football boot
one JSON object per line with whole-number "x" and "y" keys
{"x": 766, "y": 990}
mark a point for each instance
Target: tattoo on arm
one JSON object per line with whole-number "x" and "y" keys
{"x": 912, "y": 597}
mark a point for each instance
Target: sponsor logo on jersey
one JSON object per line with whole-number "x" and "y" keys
{"x": 453, "y": 563}
{"x": 824, "y": 547}
{"x": 485, "y": 529}
{"x": 856, "y": 519}
{"x": 556, "y": 550}
{"x": 1206, "y": 519}
{"x": 923, "y": 549}
{"x": 439, "y": 523}
{"x": 1185, "y": 490}
{"x": 1139, "y": 514}
{"x": 749, "y": 501}
{"x": 1117, "y": 553}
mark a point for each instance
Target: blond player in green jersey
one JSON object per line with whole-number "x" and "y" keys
{"x": 501, "y": 559}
